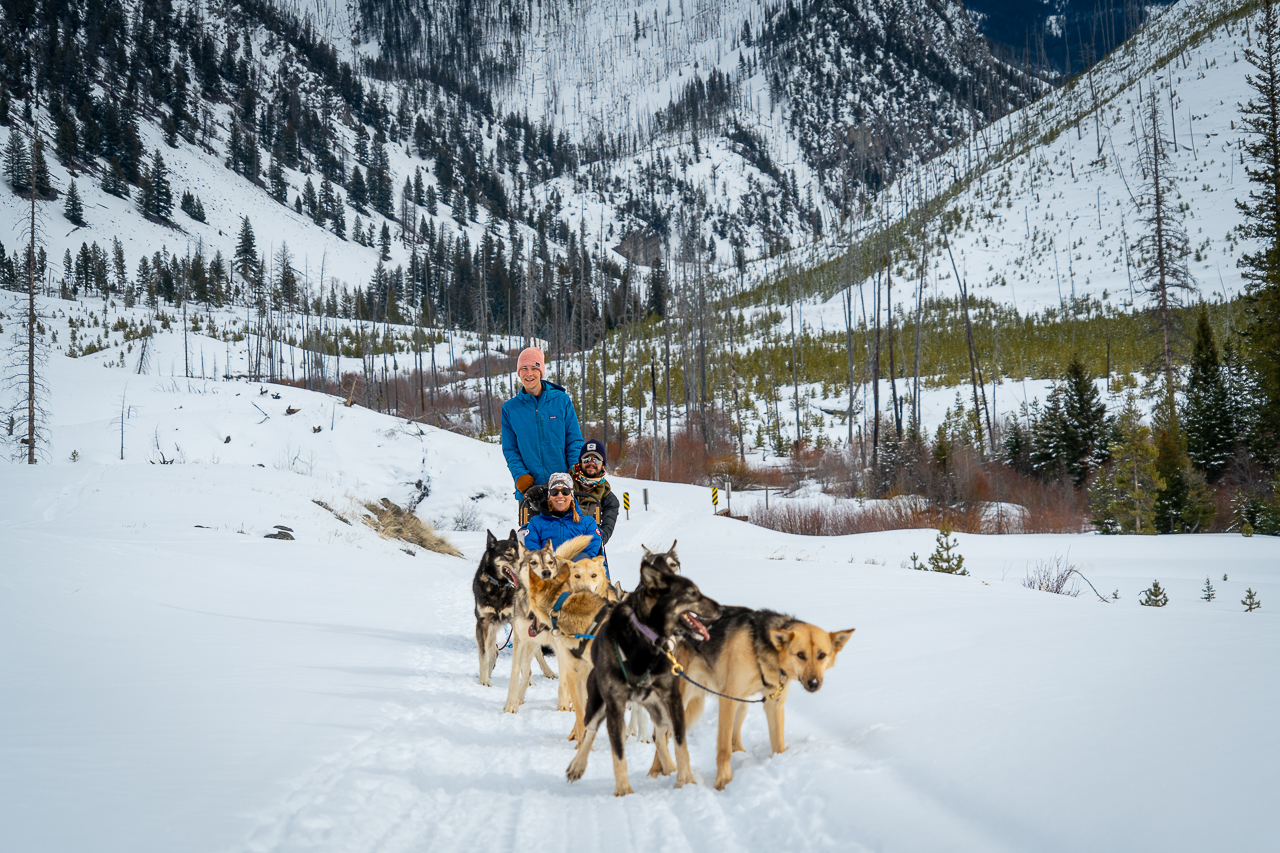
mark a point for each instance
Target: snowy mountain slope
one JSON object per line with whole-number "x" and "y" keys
{"x": 170, "y": 686}
{"x": 1039, "y": 207}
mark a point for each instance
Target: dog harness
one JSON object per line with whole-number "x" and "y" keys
{"x": 555, "y": 618}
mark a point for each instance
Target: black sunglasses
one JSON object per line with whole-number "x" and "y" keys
{"x": 560, "y": 491}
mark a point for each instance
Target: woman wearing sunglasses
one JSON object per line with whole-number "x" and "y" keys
{"x": 563, "y": 520}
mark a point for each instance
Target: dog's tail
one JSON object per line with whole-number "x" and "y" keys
{"x": 573, "y": 547}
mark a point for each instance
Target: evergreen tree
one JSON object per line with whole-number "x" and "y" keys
{"x": 432, "y": 204}
{"x": 1251, "y": 601}
{"x": 1154, "y": 596}
{"x": 17, "y": 164}
{"x": 384, "y": 243}
{"x": 1207, "y": 415}
{"x": 1261, "y": 332}
{"x": 40, "y": 169}
{"x": 338, "y": 217}
{"x": 246, "y": 255}
{"x": 945, "y": 557}
{"x": 1123, "y": 497}
{"x": 72, "y": 207}
{"x": 1182, "y": 504}
{"x": 113, "y": 182}
{"x": 161, "y": 193}
{"x": 311, "y": 202}
{"x": 357, "y": 193}
{"x": 1070, "y": 437}
{"x": 1209, "y": 592}
{"x": 275, "y": 177}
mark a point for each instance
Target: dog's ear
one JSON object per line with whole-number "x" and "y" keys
{"x": 653, "y": 577}
{"x": 839, "y": 638}
{"x": 780, "y": 638}
{"x": 512, "y": 535}
{"x": 672, "y": 550}
{"x": 647, "y": 552}
{"x": 491, "y": 541}
{"x": 549, "y": 548}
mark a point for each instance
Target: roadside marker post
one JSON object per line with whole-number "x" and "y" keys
{"x": 626, "y": 504}
{"x": 715, "y": 499}
{"x": 646, "y": 500}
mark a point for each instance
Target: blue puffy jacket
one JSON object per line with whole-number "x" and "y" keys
{"x": 560, "y": 529}
{"x": 540, "y": 435}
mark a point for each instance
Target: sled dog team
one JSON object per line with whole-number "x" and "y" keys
{"x": 657, "y": 649}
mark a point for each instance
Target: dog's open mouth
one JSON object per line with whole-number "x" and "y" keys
{"x": 692, "y": 621}
{"x": 511, "y": 576}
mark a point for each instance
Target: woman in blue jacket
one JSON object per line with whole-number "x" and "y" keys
{"x": 540, "y": 432}
{"x": 563, "y": 521}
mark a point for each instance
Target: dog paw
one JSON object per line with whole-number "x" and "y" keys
{"x": 576, "y": 768}
{"x": 564, "y": 706}
{"x": 484, "y": 682}
{"x": 683, "y": 779}
{"x": 723, "y": 779}
{"x": 622, "y": 790}
{"x": 511, "y": 707}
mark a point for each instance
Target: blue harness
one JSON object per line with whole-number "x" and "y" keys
{"x": 555, "y": 617}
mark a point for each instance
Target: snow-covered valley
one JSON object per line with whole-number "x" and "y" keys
{"x": 172, "y": 680}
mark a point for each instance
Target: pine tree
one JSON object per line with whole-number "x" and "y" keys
{"x": 945, "y": 558}
{"x": 17, "y": 164}
{"x": 113, "y": 182}
{"x": 311, "y": 202}
{"x": 1261, "y": 332}
{"x": 40, "y": 169}
{"x": 1154, "y": 596}
{"x": 1207, "y": 415}
{"x": 161, "y": 193}
{"x": 338, "y": 217}
{"x": 384, "y": 243}
{"x": 1209, "y": 593}
{"x": 275, "y": 177}
{"x": 1070, "y": 436}
{"x": 357, "y": 193}
{"x": 72, "y": 207}
{"x": 433, "y": 207}
{"x": 1182, "y": 505}
{"x": 246, "y": 255}
{"x": 1251, "y": 601}
{"x": 1122, "y": 498}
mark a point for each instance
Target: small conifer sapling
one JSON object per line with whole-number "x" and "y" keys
{"x": 945, "y": 558}
{"x": 1154, "y": 596}
{"x": 1251, "y": 601}
{"x": 1208, "y": 591}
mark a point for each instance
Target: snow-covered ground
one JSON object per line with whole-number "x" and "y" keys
{"x": 174, "y": 681}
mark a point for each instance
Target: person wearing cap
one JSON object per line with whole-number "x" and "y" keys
{"x": 540, "y": 432}
{"x": 563, "y": 520}
{"x": 593, "y": 488}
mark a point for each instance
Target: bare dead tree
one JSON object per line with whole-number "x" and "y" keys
{"x": 1163, "y": 245}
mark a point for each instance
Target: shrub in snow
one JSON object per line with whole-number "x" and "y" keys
{"x": 1154, "y": 597}
{"x": 945, "y": 558}
{"x": 1052, "y": 575}
{"x": 1250, "y": 601}
{"x": 1208, "y": 591}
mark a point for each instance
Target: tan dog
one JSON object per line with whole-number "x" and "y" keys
{"x": 527, "y": 634}
{"x": 752, "y": 652}
{"x": 572, "y": 618}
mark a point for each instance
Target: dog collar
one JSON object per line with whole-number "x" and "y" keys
{"x": 647, "y": 632}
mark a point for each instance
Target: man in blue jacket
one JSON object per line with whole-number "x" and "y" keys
{"x": 540, "y": 432}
